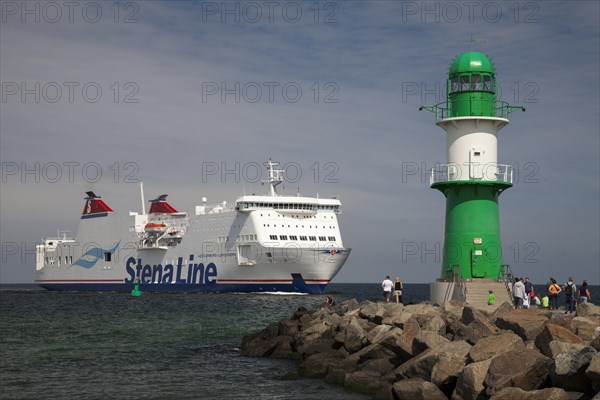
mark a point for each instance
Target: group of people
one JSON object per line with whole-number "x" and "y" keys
{"x": 390, "y": 288}
{"x": 524, "y": 295}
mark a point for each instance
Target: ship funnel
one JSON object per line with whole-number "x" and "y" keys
{"x": 160, "y": 206}
{"x": 94, "y": 207}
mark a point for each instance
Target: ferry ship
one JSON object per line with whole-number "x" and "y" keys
{"x": 261, "y": 243}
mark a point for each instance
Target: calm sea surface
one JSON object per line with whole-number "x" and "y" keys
{"x": 158, "y": 346}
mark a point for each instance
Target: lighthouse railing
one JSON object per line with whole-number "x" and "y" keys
{"x": 497, "y": 109}
{"x": 491, "y": 172}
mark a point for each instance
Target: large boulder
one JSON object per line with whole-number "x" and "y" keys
{"x": 419, "y": 366}
{"x": 417, "y": 389}
{"x": 364, "y": 381}
{"x": 450, "y": 364}
{"x": 354, "y": 336}
{"x": 318, "y": 365}
{"x": 526, "y": 369}
{"x": 556, "y": 347}
{"x": 469, "y": 385}
{"x": 491, "y": 346}
{"x": 424, "y": 340}
{"x": 260, "y": 344}
{"x": 372, "y": 312}
{"x": 593, "y": 371}
{"x": 525, "y": 323}
{"x": 552, "y": 332}
{"x": 588, "y": 309}
{"x": 568, "y": 371}
{"x": 585, "y": 327}
{"x": 377, "y": 333}
{"x": 478, "y": 329}
{"x": 512, "y": 393}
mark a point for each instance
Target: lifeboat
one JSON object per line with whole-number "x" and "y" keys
{"x": 152, "y": 227}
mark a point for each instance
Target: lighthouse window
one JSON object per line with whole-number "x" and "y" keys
{"x": 464, "y": 82}
{"x": 453, "y": 84}
{"x": 477, "y": 153}
{"x": 476, "y": 82}
{"x": 488, "y": 83}
{"x": 107, "y": 256}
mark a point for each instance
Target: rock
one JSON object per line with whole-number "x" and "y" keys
{"x": 282, "y": 348}
{"x": 392, "y": 310}
{"x": 323, "y": 345}
{"x": 421, "y": 309}
{"x": 381, "y": 366}
{"x": 355, "y": 336}
{"x": 588, "y": 309}
{"x": 428, "y": 340}
{"x": 260, "y": 344}
{"x": 568, "y": 371}
{"x": 436, "y": 324}
{"x": 364, "y": 381}
{"x": 512, "y": 393}
{"x": 300, "y": 312}
{"x": 526, "y": 369}
{"x": 318, "y": 365}
{"x": 557, "y": 347}
{"x": 446, "y": 371}
{"x": 314, "y": 331}
{"x": 504, "y": 308}
{"x": 525, "y": 323}
{"x": 469, "y": 385}
{"x": 417, "y": 389}
{"x": 585, "y": 327}
{"x": 552, "y": 332}
{"x": 494, "y": 345}
{"x": 593, "y": 370}
{"x": 397, "y": 320}
{"x": 345, "y": 307}
{"x": 595, "y": 343}
{"x": 419, "y": 366}
{"x": 377, "y": 333}
{"x": 471, "y": 314}
{"x": 372, "y": 312}
{"x": 478, "y": 329}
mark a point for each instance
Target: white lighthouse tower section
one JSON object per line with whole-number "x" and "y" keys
{"x": 472, "y": 147}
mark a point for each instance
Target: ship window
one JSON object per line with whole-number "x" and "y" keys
{"x": 488, "y": 83}
{"x": 293, "y": 237}
{"x": 107, "y": 256}
{"x": 331, "y": 238}
{"x": 273, "y": 237}
{"x": 283, "y": 237}
{"x": 313, "y": 238}
{"x": 464, "y": 82}
{"x": 476, "y": 82}
{"x": 302, "y": 237}
{"x": 322, "y": 238}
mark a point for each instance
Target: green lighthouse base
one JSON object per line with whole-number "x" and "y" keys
{"x": 473, "y": 292}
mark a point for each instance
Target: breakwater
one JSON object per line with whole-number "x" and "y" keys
{"x": 454, "y": 351}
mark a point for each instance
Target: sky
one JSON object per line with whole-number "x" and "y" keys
{"x": 189, "y": 97}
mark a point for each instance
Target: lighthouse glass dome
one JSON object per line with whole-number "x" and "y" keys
{"x": 471, "y": 86}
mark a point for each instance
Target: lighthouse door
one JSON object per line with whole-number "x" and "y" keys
{"x": 477, "y": 269}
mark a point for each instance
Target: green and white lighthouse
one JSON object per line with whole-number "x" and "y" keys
{"x": 472, "y": 180}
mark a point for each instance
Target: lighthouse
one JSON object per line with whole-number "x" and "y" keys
{"x": 472, "y": 181}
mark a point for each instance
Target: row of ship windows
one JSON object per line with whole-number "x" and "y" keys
{"x": 288, "y": 206}
{"x": 297, "y": 216}
{"x": 239, "y": 238}
{"x": 304, "y": 238}
{"x": 310, "y": 226}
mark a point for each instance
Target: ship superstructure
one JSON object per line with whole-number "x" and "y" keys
{"x": 259, "y": 243}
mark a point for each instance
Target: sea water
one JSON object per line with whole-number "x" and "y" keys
{"x": 157, "y": 346}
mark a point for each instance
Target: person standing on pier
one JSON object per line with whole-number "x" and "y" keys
{"x": 387, "y": 286}
{"x": 398, "y": 290}
{"x": 570, "y": 291}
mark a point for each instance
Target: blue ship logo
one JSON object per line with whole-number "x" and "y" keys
{"x": 91, "y": 257}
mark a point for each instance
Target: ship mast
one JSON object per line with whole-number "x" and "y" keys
{"x": 275, "y": 177}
